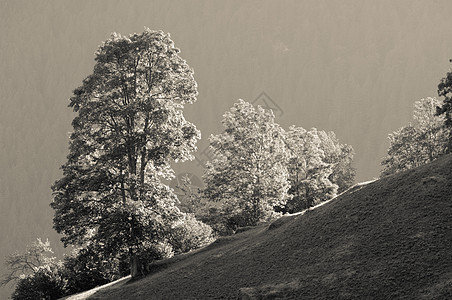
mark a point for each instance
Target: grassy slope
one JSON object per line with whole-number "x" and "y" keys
{"x": 390, "y": 239}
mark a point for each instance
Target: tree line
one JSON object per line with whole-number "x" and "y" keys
{"x": 260, "y": 170}
{"x": 112, "y": 204}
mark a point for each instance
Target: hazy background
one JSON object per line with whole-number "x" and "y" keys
{"x": 354, "y": 67}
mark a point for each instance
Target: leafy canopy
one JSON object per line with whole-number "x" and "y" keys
{"x": 249, "y": 172}
{"x": 308, "y": 169}
{"x": 445, "y": 110}
{"x": 422, "y": 141}
{"x": 128, "y": 130}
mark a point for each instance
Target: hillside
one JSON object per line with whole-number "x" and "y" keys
{"x": 390, "y": 239}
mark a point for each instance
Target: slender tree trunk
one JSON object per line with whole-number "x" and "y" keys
{"x": 133, "y": 263}
{"x": 308, "y": 201}
{"x": 297, "y": 191}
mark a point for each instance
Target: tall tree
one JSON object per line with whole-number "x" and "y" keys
{"x": 249, "y": 173}
{"x": 424, "y": 140}
{"x": 128, "y": 129}
{"x": 445, "y": 90}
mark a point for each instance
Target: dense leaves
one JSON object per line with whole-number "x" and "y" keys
{"x": 445, "y": 90}
{"x": 424, "y": 140}
{"x": 340, "y": 157}
{"x": 319, "y": 166}
{"x": 309, "y": 173}
{"x": 259, "y": 168}
{"x": 44, "y": 284}
{"x": 249, "y": 173}
{"x": 128, "y": 129}
{"x": 86, "y": 268}
{"x": 189, "y": 234}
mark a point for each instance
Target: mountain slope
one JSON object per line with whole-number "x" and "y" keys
{"x": 389, "y": 239}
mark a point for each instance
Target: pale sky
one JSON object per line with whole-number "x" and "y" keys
{"x": 353, "y": 67}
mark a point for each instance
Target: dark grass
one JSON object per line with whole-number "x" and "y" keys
{"x": 390, "y": 239}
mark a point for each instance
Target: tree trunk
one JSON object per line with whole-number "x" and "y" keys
{"x": 308, "y": 200}
{"x": 134, "y": 272}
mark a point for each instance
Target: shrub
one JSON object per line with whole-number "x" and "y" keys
{"x": 43, "y": 284}
{"x": 190, "y": 234}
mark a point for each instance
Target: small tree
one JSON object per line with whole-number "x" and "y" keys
{"x": 128, "y": 130}
{"x": 34, "y": 258}
{"x": 36, "y": 273}
{"x": 249, "y": 172}
{"x": 424, "y": 140}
